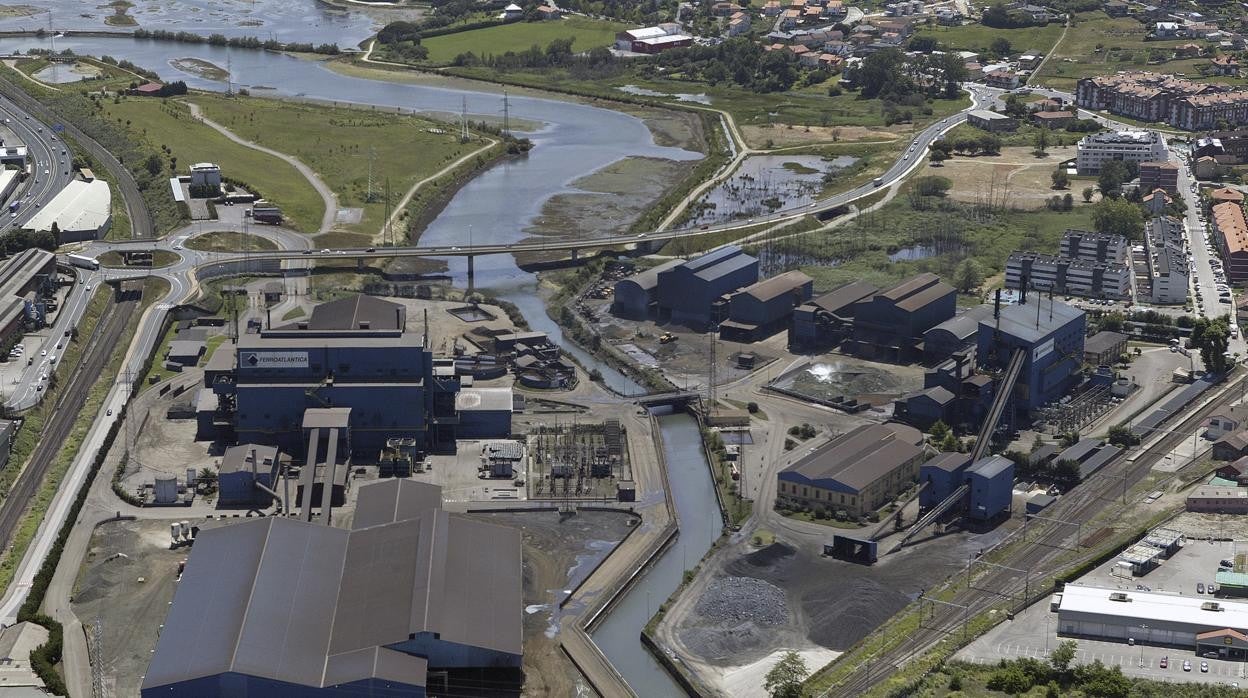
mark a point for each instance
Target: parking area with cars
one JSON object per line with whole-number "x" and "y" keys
{"x": 1189, "y": 573}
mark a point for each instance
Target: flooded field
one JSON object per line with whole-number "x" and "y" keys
{"x": 678, "y": 96}
{"x": 60, "y": 73}
{"x": 766, "y": 183}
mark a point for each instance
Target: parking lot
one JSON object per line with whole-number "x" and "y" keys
{"x": 1033, "y": 633}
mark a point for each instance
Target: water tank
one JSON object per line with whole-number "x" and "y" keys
{"x": 186, "y": 530}
{"x": 175, "y": 530}
{"x": 166, "y": 490}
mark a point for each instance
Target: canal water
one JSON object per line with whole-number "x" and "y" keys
{"x": 697, "y": 510}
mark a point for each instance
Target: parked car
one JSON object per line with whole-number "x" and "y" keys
{"x": 1187, "y": 665}
{"x": 1165, "y": 663}
{"x": 1204, "y": 667}
{"x": 1200, "y": 587}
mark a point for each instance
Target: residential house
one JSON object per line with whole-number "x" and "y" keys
{"x": 1188, "y": 50}
{"x": 725, "y": 9}
{"x": 1156, "y": 201}
{"x": 1168, "y": 30}
{"x": 512, "y": 12}
{"x": 809, "y": 59}
{"x": 547, "y": 12}
{"x": 1052, "y": 119}
{"x": 1116, "y": 8}
{"x": 1225, "y": 64}
{"x": 789, "y": 19}
{"x": 772, "y": 8}
{"x": 1003, "y": 79}
{"x": 738, "y": 24}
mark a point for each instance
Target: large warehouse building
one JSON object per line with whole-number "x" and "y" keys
{"x": 26, "y": 279}
{"x": 857, "y": 472}
{"x": 688, "y": 293}
{"x": 1201, "y": 624}
{"x": 889, "y": 325}
{"x": 280, "y": 607}
{"x": 353, "y": 354}
{"x": 827, "y": 319}
{"x": 636, "y": 296}
{"x": 763, "y": 309}
{"x": 1051, "y": 332}
{"x": 81, "y": 211}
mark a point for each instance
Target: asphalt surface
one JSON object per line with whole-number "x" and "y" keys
{"x": 49, "y": 160}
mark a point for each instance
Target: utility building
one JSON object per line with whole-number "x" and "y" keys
{"x": 688, "y": 293}
{"x": 1051, "y": 333}
{"x": 827, "y": 319}
{"x": 636, "y": 296}
{"x": 81, "y": 211}
{"x": 889, "y": 325}
{"x": 857, "y": 472}
{"x": 280, "y": 607}
{"x": 955, "y": 334}
{"x": 763, "y": 309}
{"x": 248, "y": 474}
{"x": 352, "y": 354}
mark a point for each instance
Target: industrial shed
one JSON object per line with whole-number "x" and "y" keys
{"x": 925, "y": 407}
{"x": 1051, "y": 333}
{"x": 889, "y": 325}
{"x": 856, "y": 472}
{"x": 992, "y": 488}
{"x": 280, "y": 607}
{"x": 825, "y": 320}
{"x": 941, "y": 476}
{"x": 81, "y": 211}
{"x": 1153, "y": 618}
{"x": 954, "y": 335}
{"x": 763, "y": 309}
{"x": 1090, "y": 454}
{"x": 1104, "y": 348}
{"x": 246, "y": 472}
{"x": 635, "y": 296}
{"x": 484, "y": 413}
{"x": 688, "y": 292}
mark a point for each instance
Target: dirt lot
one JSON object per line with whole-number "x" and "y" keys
{"x": 558, "y": 553}
{"x": 1026, "y": 176}
{"x": 830, "y": 375}
{"x": 782, "y": 136}
{"x": 127, "y": 581}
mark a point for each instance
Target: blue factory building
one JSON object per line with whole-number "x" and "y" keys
{"x": 763, "y": 309}
{"x": 992, "y": 487}
{"x": 352, "y": 354}
{"x": 690, "y": 293}
{"x": 989, "y": 481}
{"x": 889, "y": 325}
{"x": 1051, "y": 332}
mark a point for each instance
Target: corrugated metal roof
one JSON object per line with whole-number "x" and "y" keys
{"x": 712, "y": 258}
{"x": 1185, "y": 611}
{"x": 350, "y": 313}
{"x": 767, "y": 289}
{"x": 483, "y": 400}
{"x": 79, "y": 206}
{"x": 314, "y": 605}
{"x": 725, "y": 267}
{"x": 859, "y": 457}
{"x": 836, "y": 301}
{"x": 408, "y": 499}
{"x": 1103, "y": 341}
{"x": 964, "y": 325}
{"x": 238, "y": 458}
{"x": 1021, "y": 321}
{"x": 649, "y": 279}
{"x": 991, "y": 466}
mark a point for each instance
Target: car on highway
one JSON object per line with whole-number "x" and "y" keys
{"x": 43, "y": 353}
{"x": 52, "y": 359}
{"x": 1200, "y": 587}
{"x": 43, "y": 377}
{"x": 325, "y": 251}
{"x": 109, "y": 413}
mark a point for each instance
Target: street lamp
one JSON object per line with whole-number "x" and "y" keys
{"x": 1141, "y": 643}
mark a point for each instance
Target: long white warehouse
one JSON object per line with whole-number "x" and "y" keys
{"x": 1198, "y": 623}
{"x": 82, "y": 211}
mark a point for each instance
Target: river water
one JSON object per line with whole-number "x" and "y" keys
{"x": 571, "y": 141}
{"x": 697, "y": 510}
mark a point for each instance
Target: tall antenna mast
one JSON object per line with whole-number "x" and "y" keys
{"x": 506, "y": 115}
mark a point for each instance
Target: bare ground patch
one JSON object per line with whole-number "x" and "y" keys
{"x": 1027, "y": 178}
{"x": 784, "y": 135}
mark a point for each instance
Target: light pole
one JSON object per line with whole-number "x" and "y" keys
{"x": 1047, "y": 617}
{"x": 1141, "y": 643}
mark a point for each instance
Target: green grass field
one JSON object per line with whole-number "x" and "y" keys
{"x": 168, "y": 123}
{"x": 225, "y": 241}
{"x": 335, "y": 142}
{"x": 586, "y": 34}
{"x": 977, "y": 37}
{"x": 1099, "y": 45}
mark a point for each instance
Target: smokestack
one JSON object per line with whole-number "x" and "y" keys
{"x": 269, "y": 312}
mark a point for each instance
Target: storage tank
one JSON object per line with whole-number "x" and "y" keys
{"x": 166, "y": 490}
{"x": 186, "y": 530}
{"x": 175, "y": 530}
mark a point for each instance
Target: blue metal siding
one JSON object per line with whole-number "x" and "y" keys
{"x": 991, "y": 493}
{"x": 1045, "y": 379}
{"x": 485, "y": 424}
{"x": 232, "y": 685}
{"x": 631, "y": 300}
{"x": 942, "y": 483}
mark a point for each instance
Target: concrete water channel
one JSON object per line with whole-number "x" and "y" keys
{"x": 575, "y": 140}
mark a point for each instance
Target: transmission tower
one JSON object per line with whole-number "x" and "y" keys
{"x": 506, "y": 115}
{"x": 463, "y": 121}
{"x": 369, "y": 198}
{"x": 97, "y": 659}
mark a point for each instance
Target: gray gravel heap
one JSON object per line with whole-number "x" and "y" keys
{"x": 740, "y": 599}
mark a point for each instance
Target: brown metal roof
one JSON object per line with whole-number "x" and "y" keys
{"x": 860, "y": 457}
{"x": 768, "y": 289}
{"x": 353, "y": 312}
{"x": 837, "y": 300}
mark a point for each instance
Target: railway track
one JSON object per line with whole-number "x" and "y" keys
{"x": 1046, "y": 542}
{"x": 136, "y": 207}
{"x": 69, "y": 402}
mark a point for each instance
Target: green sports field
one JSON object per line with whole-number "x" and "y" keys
{"x": 586, "y": 34}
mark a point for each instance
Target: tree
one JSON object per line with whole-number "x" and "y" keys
{"x": 932, "y": 186}
{"x": 1113, "y": 174}
{"x": 1112, "y": 322}
{"x": 1061, "y": 180}
{"x": 153, "y": 165}
{"x": 1041, "y": 141}
{"x": 1001, "y": 47}
{"x": 1212, "y": 338}
{"x": 923, "y": 44}
{"x": 936, "y": 157}
{"x": 990, "y": 144}
{"x": 784, "y": 680}
{"x": 968, "y": 276}
{"x": 1088, "y": 193}
{"x": 1118, "y": 217}
{"x": 938, "y": 430}
{"x": 950, "y": 443}
{"x": 1122, "y": 436}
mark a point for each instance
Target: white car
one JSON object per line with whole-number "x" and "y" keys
{"x": 43, "y": 353}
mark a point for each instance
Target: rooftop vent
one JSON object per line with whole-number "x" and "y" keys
{"x": 365, "y": 324}
{"x": 1211, "y": 606}
{"x": 1119, "y": 596}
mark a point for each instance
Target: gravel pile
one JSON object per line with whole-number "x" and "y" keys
{"x": 740, "y": 599}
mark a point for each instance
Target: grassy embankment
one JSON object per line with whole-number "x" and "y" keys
{"x": 977, "y": 37}
{"x": 32, "y": 429}
{"x": 586, "y": 33}
{"x": 160, "y": 259}
{"x": 1098, "y": 44}
{"x": 168, "y": 127}
{"x": 335, "y": 142}
{"x": 226, "y": 241}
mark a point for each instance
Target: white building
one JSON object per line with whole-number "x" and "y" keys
{"x": 1076, "y": 277}
{"x": 82, "y": 211}
{"x": 205, "y": 174}
{"x": 1126, "y": 146}
{"x": 1168, "y": 266}
{"x": 1199, "y": 623}
{"x": 1094, "y": 247}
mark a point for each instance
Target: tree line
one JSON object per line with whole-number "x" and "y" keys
{"x": 235, "y": 41}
